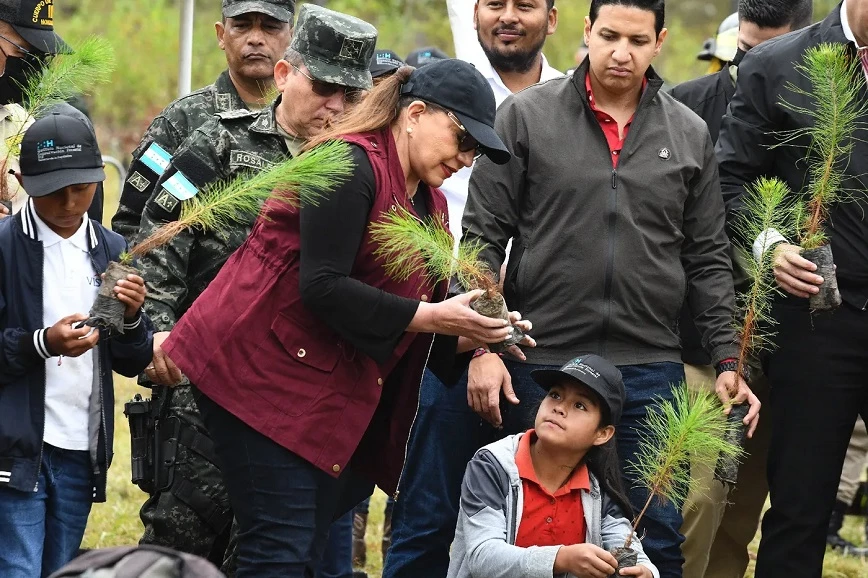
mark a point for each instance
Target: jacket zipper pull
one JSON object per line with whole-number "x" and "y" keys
{"x": 614, "y": 179}
{"x": 59, "y": 360}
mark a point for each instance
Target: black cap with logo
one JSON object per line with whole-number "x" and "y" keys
{"x": 384, "y": 62}
{"x": 595, "y": 372}
{"x": 458, "y": 87}
{"x": 34, "y": 21}
{"x": 427, "y": 55}
{"x": 58, "y": 151}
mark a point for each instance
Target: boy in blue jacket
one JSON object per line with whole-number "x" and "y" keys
{"x": 56, "y": 392}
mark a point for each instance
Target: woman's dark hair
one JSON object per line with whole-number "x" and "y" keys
{"x": 658, "y": 7}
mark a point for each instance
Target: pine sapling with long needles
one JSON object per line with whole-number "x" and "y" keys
{"x": 408, "y": 245}
{"x": 301, "y": 180}
{"x": 834, "y": 108}
{"x": 767, "y": 205}
{"x": 689, "y": 429}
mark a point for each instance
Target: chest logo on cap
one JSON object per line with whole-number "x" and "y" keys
{"x": 664, "y": 154}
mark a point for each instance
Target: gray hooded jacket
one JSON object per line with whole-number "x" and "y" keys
{"x": 491, "y": 507}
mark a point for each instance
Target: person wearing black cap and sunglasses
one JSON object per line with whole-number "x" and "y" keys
{"x": 27, "y": 40}
{"x": 307, "y": 355}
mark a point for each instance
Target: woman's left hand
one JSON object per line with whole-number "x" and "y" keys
{"x": 641, "y": 571}
{"x": 526, "y": 327}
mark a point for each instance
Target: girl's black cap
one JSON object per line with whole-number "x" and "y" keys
{"x": 458, "y": 87}
{"x": 595, "y": 372}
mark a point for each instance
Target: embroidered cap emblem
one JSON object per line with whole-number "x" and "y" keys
{"x": 664, "y": 154}
{"x": 351, "y": 49}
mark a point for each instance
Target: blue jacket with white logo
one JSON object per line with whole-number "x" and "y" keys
{"x": 23, "y": 351}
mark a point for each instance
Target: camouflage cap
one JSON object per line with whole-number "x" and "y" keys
{"x": 279, "y": 9}
{"x": 335, "y": 47}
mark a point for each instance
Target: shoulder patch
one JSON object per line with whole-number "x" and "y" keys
{"x": 156, "y": 158}
{"x": 138, "y": 182}
{"x": 248, "y": 159}
{"x": 180, "y": 187}
{"x": 223, "y": 101}
{"x": 237, "y": 113}
{"x": 166, "y": 201}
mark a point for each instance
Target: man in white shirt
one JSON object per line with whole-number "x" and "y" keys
{"x": 507, "y": 50}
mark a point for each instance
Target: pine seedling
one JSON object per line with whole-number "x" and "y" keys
{"x": 295, "y": 181}
{"x": 67, "y": 75}
{"x": 767, "y": 206}
{"x": 834, "y": 108}
{"x": 689, "y": 429}
{"x": 408, "y": 246}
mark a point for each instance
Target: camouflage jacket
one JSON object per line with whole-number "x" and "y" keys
{"x": 166, "y": 133}
{"x": 230, "y": 144}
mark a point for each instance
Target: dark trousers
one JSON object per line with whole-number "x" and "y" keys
{"x": 283, "y": 504}
{"x": 819, "y": 380}
{"x": 445, "y": 436}
{"x": 660, "y": 529}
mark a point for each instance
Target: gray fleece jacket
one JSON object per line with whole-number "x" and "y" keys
{"x": 491, "y": 507}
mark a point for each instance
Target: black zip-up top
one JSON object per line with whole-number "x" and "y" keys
{"x": 757, "y": 119}
{"x": 603, "y": 259}
{"x": 24, "y": 350}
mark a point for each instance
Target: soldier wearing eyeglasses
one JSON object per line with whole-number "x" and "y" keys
{"x": 325, "y": 67}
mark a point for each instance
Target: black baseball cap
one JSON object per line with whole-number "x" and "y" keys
{"x": 34, "y": 21}
{"x": 458, "y": 87}
{"x": 58, "y": 151}
{"x": 424, "y": 56}
{"x": 384, "y": 62}
{"x": 599, "y": 375}
{"x": 280, "y": 9}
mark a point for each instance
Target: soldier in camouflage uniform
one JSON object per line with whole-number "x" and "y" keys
{"x": 325, "y": 67}
{"x": 254, "y": 35}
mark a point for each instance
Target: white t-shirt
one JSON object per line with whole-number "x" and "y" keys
{"x": 69, "y": 285}
{"x": 467, "y": 48}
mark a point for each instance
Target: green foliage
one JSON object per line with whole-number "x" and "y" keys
{"x": 690, "y": 429}
{"x": 67, "y": 75}
{"x": 409, "y": 246}
{"x": 768, "y": 205}
{"x": 835, "y": 108}
{"x": 298, "y": 180}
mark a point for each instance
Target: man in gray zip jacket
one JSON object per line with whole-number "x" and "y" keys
{"x": 613, "y": 205}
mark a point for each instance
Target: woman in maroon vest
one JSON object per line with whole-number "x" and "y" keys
{"x": 308, "y": 356}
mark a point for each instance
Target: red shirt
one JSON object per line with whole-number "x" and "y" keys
{"x": 609, "y": 124}
{"x": 549, "y": 519}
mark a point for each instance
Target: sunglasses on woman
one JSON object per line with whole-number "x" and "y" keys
{"x": 466, "y": 143}
{"x": 329, "y": 89}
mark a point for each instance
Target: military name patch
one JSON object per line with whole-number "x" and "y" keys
{"x": 351, "y": 48}
{"x": 156, "y": 158}
{"x": 248, "y": 159}
{"x": 138, "y": 182}
{"x": 167, "y": 201}
{"x": 180, "y": 187}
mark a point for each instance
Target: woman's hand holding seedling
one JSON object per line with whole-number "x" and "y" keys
{"x": 585, "y": 561}
{"x": 63, "y": 339}
{"x": 455, "y": 317}
{"x": 729, "y": 383}
{"x": 131, "y": 292}
{"x": 793, "y": 273}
